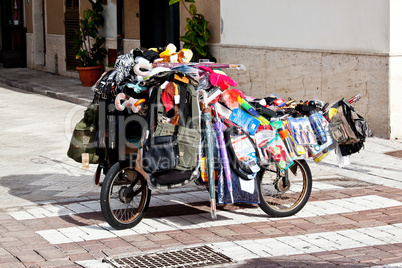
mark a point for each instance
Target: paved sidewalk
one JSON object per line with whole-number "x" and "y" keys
{"x": 50, "y": 214}
{"x": 48, "y": 84}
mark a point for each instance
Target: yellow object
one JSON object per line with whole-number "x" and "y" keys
{"x": 321, "y": 157}
{"x": 183, "y": 79}
{"x": 185, "y": 55}
{"x": 332, "y": 112}
{"x": 204, "y": 172}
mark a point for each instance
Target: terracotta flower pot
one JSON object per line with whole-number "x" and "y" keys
{"x": 89, "y": 75}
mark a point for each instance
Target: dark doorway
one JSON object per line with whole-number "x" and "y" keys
{"x": 159, "y": 23}
{"x": 72, "y": 22}
{"x": 13, "y": 33}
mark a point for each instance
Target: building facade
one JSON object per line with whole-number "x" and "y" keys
{"x": 303, "y": 49}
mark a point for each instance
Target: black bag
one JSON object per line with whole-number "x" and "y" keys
{"x": 186, "y": 134}
{"x": 160, "y": 153}
{"x": 106, "y": 86}
{"x": 348, "y": 128}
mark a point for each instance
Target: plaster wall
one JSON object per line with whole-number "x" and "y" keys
{"x": 38, "y": 32}
{"x": 30, "y": 60}
{"x": 55, "y": 46}
{"x": 395, "y": 97}
{"x": 129, "y": 44}
{"x": 358, "y": 25}
{"x": 395, "y": 27}
{"x": 303, "y": 75}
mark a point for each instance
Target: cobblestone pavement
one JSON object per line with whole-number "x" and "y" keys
{"x": 50, "y": 213}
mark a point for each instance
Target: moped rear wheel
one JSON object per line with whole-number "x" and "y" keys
{"x": 124, "y": 196}
{"x": 284, "y": 193}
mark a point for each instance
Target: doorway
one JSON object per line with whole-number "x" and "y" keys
{"x": 159, "y": 23}
{"x": 72, "y": 22}
{"x": 13, "y": 33}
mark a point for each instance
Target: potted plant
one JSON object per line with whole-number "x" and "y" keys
{"x": 88, "y": 44}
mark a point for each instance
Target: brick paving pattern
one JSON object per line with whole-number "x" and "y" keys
{"x": 50, "y": 214}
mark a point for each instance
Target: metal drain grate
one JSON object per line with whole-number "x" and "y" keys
{"x": 188, "y": 257}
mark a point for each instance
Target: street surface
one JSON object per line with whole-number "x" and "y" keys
{"x": 50, "y": 213}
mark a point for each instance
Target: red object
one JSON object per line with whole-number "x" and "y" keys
{"x": 354, "y": 98}
{"x": 230, "y": 97}
{"x": 279, "y": 102}
{"x": 216, "y": 78}
{"x": 167, "y": 96}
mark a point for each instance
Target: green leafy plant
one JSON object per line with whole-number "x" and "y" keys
{"x": 87, "y": 42}
{"x": 197, "y": 32}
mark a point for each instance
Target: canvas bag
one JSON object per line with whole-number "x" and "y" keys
{"x": 84, "y": 138}
{"x": 348, "y": 128}
{"x": 188, "y": 133}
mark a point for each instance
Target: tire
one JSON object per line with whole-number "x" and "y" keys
{"x": 284, "y": 193}
{"x": 123, "y": 204}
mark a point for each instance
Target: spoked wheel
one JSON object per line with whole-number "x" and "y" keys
{"x": 124, "y": 196}
{"x": 284, "y": 193}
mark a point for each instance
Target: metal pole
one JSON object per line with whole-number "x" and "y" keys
{"x": 119, "y": 17}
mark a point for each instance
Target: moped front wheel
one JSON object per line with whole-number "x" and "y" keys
{"x": 124, "y": 196}
{"x": 284, "y": 193}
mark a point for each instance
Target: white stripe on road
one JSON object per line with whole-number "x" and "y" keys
{"x": 241, "y": 216}
{"x": 309, "y": 243}
{"x": 54, "y": 210}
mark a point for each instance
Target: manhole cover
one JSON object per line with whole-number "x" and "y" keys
{"x": 188, "y": 257}
{"x": 395, "y": 153}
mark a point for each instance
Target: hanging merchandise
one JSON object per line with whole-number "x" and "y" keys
{"x": 243, "y": 154}
{"x": 315, "y": 120}
{"x": 245, "y": 121}
{"x": 224, "y": 156}
{"x": 206, "y": 115}
{"x": 300, "y": 150}
{"x": 243, "y": 191}
{"x": 322, "y": 149}
{"x": 302, "y": 131}
{"x": 348, "y": 128}
{"x": 187, "y": 123}
{"x": 285, "y": 136}
{"x": 274, "y": 149}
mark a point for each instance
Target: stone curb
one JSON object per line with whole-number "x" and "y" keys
{"x": 43, "y": 90}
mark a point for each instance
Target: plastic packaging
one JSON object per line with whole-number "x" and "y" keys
{"x": 315, "y": 121}
{"x": 204, "y": 82}
{"x": 318, "y": 149}
{"x": 262, "y": 138}
{"x": 302, "y": 131}
{"x": 284, "y": 134}
{"x": 246, "y": 121}
{"x": 277, "y": 150}
{"x": 245, "y": 153}
{"x": 300, "y": 150}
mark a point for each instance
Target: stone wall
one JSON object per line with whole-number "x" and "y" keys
{"x": 324, "y": 75}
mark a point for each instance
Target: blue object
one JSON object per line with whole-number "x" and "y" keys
{"x": 316, "y": 125}
{"x": 244, "y": 120}
{"x": 136, "y": 87}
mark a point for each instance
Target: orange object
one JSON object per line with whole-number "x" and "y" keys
{"x": 183, "y": 79}
{"x": 139, "y": 102}
{"x": 175, "y": 118}
{"x": 285, "y": 137}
